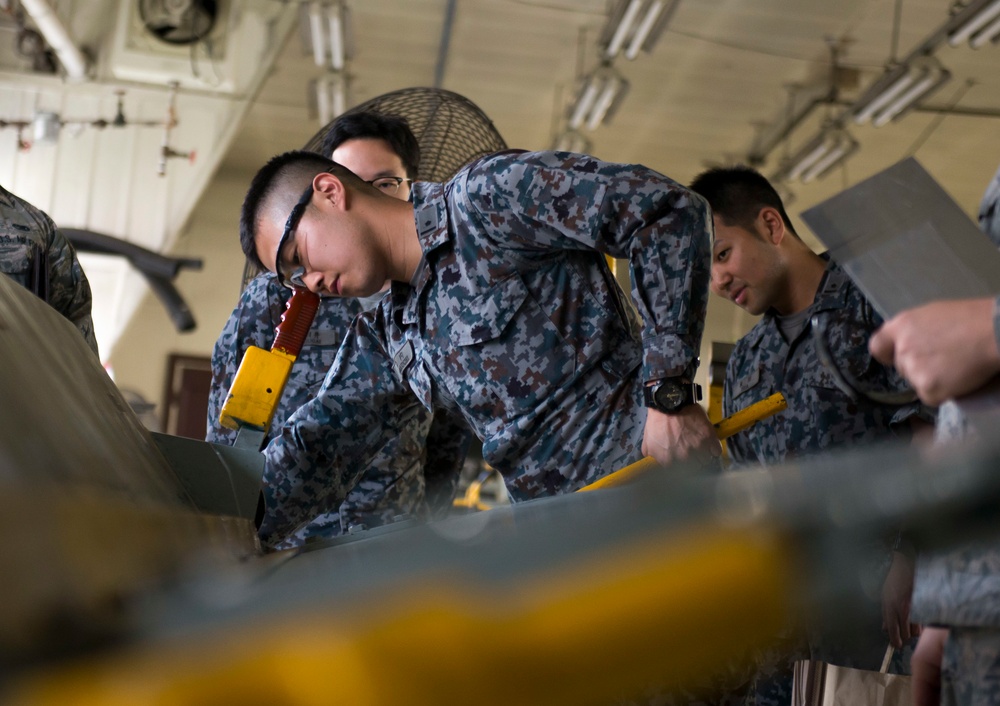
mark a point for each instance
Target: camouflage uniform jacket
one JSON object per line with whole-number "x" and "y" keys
{"x": 37, "y": 256}
{"x": 961, "y": 588}
{"x": 514, "y": 319}
{"x": 394, "y": 484}
{"x": 989, "y": 210}
{"x": 819, "y": 416}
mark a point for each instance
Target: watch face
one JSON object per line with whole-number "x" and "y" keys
{"x": 669, "y": 395}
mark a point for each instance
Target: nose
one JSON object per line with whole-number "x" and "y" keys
{"x": 720, "y": 280}
{"x": 313, "y": 282}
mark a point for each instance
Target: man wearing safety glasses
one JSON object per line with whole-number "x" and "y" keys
{"x": 501, "y": 307}
{"x": 412, "y": 474}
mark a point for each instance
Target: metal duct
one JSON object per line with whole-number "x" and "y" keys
{"x": 52, "y": 28}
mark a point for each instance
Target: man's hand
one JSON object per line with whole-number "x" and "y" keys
{"x": 685, "y": 435}
{"x": 926, "y": 664}
{"x": 897, "y": 590}
{"x": 944, "y": 349}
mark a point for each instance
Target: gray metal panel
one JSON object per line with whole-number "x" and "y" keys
{"x": 904, "y": 241}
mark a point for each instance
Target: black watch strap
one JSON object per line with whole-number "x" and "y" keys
{"x": 671, "y": 395}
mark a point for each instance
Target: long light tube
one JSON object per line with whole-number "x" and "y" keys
{"x": 921, "y": 88}
{"x": 885, "y": 97}
{"x": 336, "y": 23}
{"x": 323, "y": 111}
{"x": 819, "y": 156}
{"x": 585, "y": 102}
{"x": 600, "y": 95}
{"x": 989, "y": 33}
{"x": 338, "y": 98}
{"x": 572, "y": 141}
{"x": 603, "y": 102}
{"x": 623, "y": 29}
{"x": 642, "y": 31}
{"x": 844, "y": 147}
{"x": 901, "y": 88}
{"x": 975, "y": 23}
{"x": 812, "y": 155}
{"x": 316, "y": 33}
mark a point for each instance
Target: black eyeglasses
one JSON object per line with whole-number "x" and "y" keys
{"x": 294, "y": 279}
{"x": 389, "y": 184}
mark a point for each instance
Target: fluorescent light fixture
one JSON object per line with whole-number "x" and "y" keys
{"x": 603, "y": 103}
{"x": 584, "y": 103}
{"x": 989, "y": 33}
{"x": 335, "y": 19}
{"x": 642, "y": 31}
{"x": 979, "y": 27}
{"x": 899, "y": 90}
{"x": 635, "y": 25}
{"x": 819, "y": 156}
{"x": 331, "y": 97}
{"x": 601, "y": 94}
{"x": 572, "y": 141}
{"x": 328, "y": 33}
{"x": 316, "y": 33}
{"x": 631, "y": 10}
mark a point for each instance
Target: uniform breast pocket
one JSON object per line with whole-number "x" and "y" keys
{"x": 312, "y": 365}
{"x": 506, "y": 343}
{"x": 745, "y": 384}
{"x": 15, "y": 262}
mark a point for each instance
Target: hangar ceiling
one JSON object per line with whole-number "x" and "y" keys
{"x": 726, "y": 80}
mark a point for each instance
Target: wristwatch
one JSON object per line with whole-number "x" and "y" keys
{"x": 670, "y": 395}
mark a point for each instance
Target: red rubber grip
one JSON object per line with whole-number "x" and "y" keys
{"x": 295, "y": 322}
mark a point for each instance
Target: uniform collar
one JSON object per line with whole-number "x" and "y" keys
{"x": 832, "y": 291}
{"x": 431, "y": 218}
{"x": 430, "y": 215}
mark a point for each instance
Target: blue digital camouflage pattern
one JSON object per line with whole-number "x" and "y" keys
{"x": 970, "y": 669}
{"x": 819, "y": 418}
{"x": 394, "y": 485}
{"x": 989, "y": 210}
{"x": 961, "y": 589}
{"x": 514, "y": 319}
{"x": 37, "y": 256}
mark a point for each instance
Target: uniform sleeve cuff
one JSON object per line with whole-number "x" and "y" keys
{"x": 668, "y": 355}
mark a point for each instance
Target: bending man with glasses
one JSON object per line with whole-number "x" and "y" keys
{"x": 502, "y": 308}
{"x": 415, "y": 472}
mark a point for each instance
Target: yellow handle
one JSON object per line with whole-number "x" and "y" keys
{"x": 738, "y": 421}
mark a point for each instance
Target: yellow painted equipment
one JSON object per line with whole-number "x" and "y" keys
{"x": 726, "y": 428}
{"x": 256, "y": 389}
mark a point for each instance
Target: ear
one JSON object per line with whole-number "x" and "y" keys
{"x": 330, "y": 189}
{"x": 772, "y": 225}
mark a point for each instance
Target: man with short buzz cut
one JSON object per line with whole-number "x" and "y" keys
{"x": 416, "y": 471}
{"x": 501, "y": 307}
{"x": 761, "y": 265}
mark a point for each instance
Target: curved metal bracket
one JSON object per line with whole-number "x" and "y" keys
{"x": 847, "y": 383}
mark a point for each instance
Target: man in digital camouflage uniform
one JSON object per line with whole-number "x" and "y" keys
{"x": 947, "y": 350}
{"x": 760, "y": 264}
{"x": 502, "y": 307}
{"x": 38, "y": 257}
{"x": 415, "y": 473}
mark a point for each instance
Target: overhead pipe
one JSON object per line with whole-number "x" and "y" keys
{"x": 52, "y": 28}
